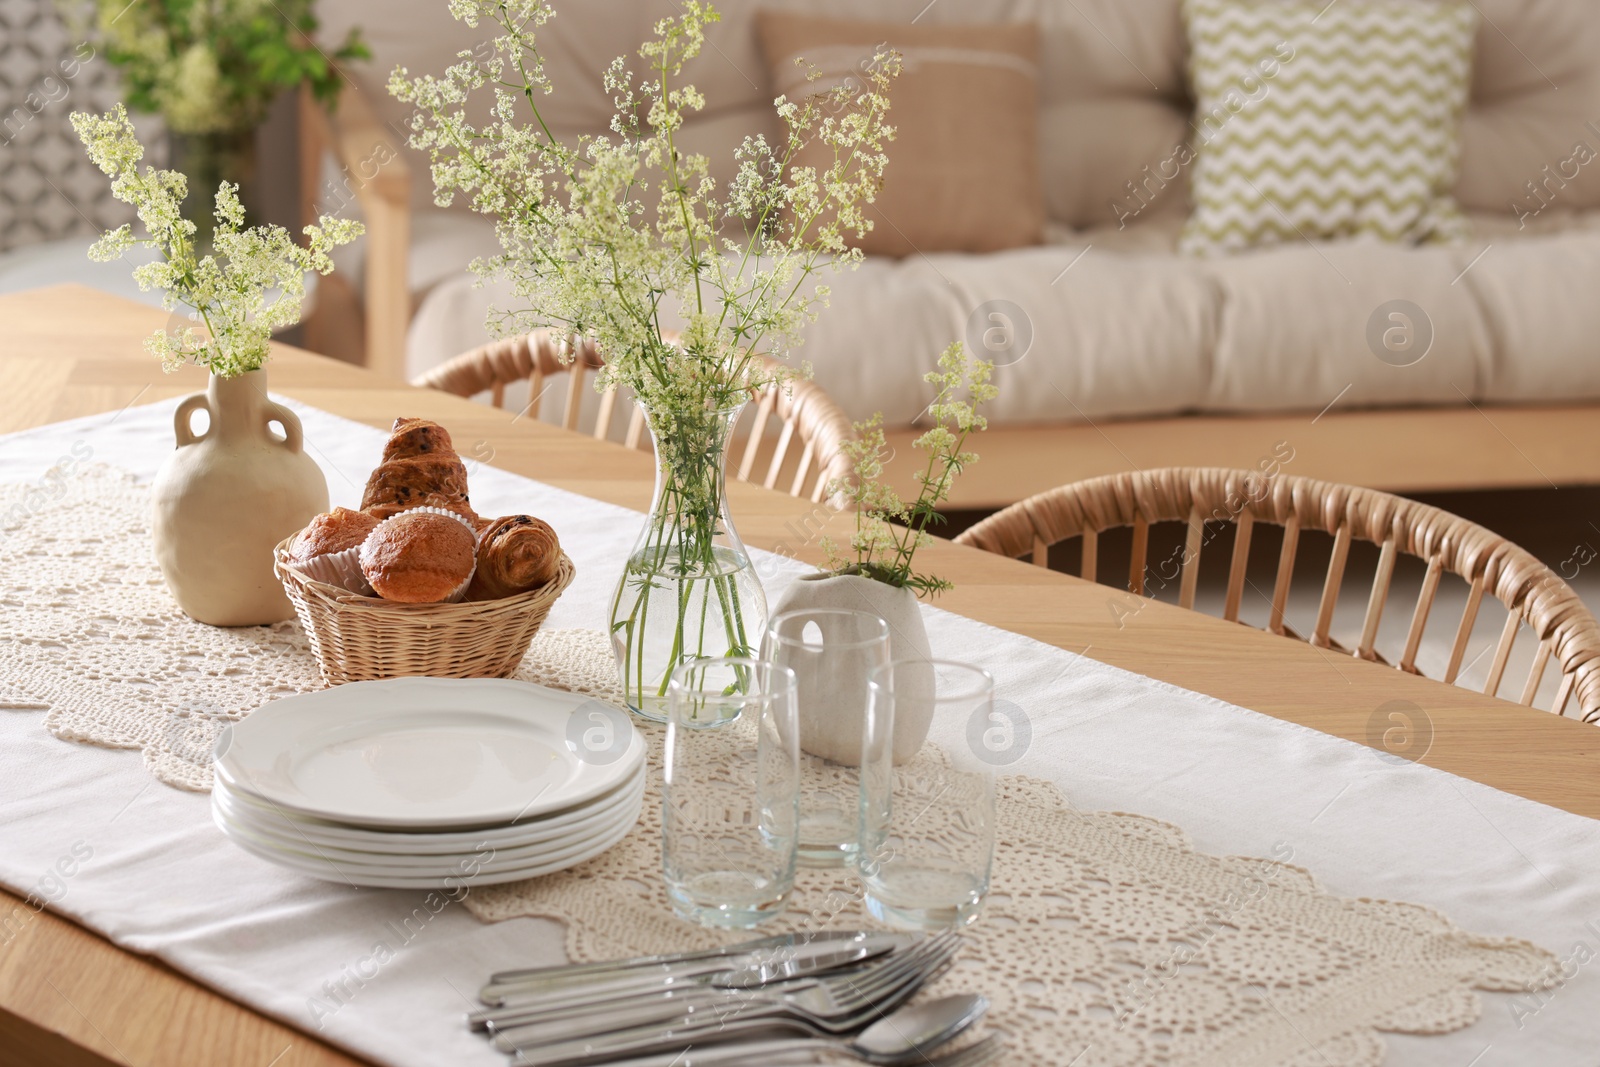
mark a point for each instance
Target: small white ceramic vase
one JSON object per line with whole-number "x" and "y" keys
{"x": 832, "y": 729}
{"x": 223, "y": 501}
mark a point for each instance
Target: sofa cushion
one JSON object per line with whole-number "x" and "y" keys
{"x": 963, "y": 172}
{"x": 1097, "y": 332}
{"x": 1317, "y": 121}
{"x": 1353, "y": 322}
{"x": 1538, "y": 301}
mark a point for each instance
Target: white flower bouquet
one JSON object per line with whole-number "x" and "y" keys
{"x": 607, "y": 237}
{"x": 254, "y": 281}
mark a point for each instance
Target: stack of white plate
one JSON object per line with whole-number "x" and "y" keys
{"x": 429, "y": 782}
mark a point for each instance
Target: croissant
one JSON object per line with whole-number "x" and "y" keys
{"x": 411, "y": 437}
{"x": 516, "y": 553}
{"x": 435, "y": 480}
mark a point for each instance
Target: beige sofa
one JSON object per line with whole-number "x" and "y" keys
{"x": 1121, "y": 326}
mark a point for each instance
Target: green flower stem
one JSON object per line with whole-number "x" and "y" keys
{"x": 680, "y": 545}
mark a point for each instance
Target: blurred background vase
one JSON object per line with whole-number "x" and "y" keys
{"x": 207, "y": 159}
{"x": 211, "y": 71}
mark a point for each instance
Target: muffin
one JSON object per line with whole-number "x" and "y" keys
{"x": 337, "y": 531}
{"x": 423, "y": 556}
{"x": 329, "y": 549}
{"x": 516, "y": 553}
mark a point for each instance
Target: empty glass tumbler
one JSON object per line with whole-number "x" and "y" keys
{"x": 927, "y": 824}
{"x": 729, "y": 794}
{"x": 832, "y": 653}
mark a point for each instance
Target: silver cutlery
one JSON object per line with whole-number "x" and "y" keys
{"x": 532, "y": 979}
{"x": 906, "y": 1036}
{"x": 978, "y": 1055}
{"x": 608, "y": 996}
{"x": 836, "y": 1004}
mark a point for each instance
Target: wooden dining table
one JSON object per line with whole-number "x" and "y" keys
{"x": 68, "y": 996}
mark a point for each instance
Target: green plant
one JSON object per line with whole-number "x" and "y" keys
{"x": 212, "y": 66}
{"x": 888, "y": 530}
{"x": 603, "y": 235}
{"x": 230, "y": 288}
{"x": 607, "y": 236}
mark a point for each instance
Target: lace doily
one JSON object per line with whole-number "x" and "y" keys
{"x": 89, "y": 632}
{"x": 1106, "y": 939}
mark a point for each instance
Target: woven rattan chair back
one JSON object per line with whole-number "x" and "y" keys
{"x": 808, "y": 419}
{"x": 1532, "y": 593}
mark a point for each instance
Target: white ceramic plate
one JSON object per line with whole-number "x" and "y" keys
{"x": 278, "y": 833}
{"x": 487, "y": 860}
{"x": 448, "y": 880}
{"x": 430, "y": 753}
{"x": 281, "y": 822}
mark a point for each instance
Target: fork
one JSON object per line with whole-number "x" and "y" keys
{"x": 673, "y": 1002}
{"x": 613, "y": 992}
{"x": 976, "y": 1055}
{"x": 702, "y": 1035}
{"x": 833, "y": 1005}
{"x": 838, "y": 1004}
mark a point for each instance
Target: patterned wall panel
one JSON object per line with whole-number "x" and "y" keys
{"x": 48, "y": 187}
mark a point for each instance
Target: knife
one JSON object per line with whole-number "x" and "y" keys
{"x": 507, "y": 985}
{"x": 578, "y": 1013}
{"x": 802, "y": 961}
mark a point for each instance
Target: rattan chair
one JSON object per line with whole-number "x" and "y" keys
{"x": 807, "y": 415}
{"x": 1531, "y": 592}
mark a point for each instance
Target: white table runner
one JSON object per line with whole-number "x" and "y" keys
{"x": 90, "y": 831}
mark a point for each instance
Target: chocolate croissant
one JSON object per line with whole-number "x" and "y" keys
{"x": 417, "y": 437}
{"x": 516, "y": 553}
{"x": 437, "y": 480}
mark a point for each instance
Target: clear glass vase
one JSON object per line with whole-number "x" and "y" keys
{"x": 688, "y": 590}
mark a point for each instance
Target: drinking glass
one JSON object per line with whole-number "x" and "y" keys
{"x": 832, "y": 653}
{"x": 927, "y": 825}
{"x": 729, "y": 793}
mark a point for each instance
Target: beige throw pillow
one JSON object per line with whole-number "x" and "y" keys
{"x": 963, "y": 172}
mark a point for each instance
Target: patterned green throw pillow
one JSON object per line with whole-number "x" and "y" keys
{"x": 1317, "y": 120}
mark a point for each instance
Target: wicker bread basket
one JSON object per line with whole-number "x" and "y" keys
{"x": 359, "y": 638}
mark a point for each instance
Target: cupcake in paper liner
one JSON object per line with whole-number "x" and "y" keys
{"x": 328, "y": 550}
{"x": 421, "y": 556}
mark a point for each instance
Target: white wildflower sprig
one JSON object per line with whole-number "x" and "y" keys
{"x": 228, "y": 288}
{"x": 605, "y": 237}
{"x": 888, "y": 530}
{"x": 602, "y": 235}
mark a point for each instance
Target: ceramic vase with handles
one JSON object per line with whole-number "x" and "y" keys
{"x": 224, "y": 499}
{"x": 832, "y": 729}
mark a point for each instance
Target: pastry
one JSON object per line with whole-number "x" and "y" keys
{"x": 417, "y": 437}
{"x": 420, "y": 468}
{"x": 337, "y": 531}
{"x": 516, "y": 553}
{"x": 328, "y": 550}
{"x": 435, "y": 480}
{"x": 420, "y": 557}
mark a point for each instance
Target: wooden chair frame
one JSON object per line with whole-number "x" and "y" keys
{"x": 373, "y": 170}
{"x": 1493, "y": 566}
{"x": 807, "y": 415}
